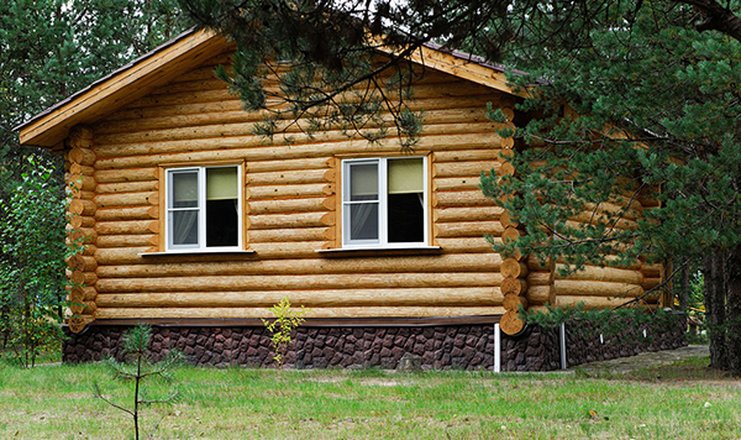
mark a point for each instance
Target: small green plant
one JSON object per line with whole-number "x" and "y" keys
{"x": 137, "y": 367}
{"x": 281, "y": 328}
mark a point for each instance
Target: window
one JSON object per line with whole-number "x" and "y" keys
{"x": 384, "y": 202}
{"x": 204, "y": 208}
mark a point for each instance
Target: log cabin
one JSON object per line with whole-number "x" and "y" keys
{"x": 196, "y": 225}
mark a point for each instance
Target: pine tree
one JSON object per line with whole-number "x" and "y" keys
{"x": 663, "y": 74}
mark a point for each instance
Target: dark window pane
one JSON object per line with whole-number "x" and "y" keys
{"x": 405, "y": 218}
{"x": 364, "y": 221}
{"x": 222, "y": 223}
{"x": 184, "y": 227}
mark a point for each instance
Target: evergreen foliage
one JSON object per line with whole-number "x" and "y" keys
{"x": 630, "y": 101}
{"x": 137, "y": 368}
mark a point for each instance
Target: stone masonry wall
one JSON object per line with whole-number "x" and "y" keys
{"x": 469, "y": 347}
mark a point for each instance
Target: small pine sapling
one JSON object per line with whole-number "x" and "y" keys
{"x": 281, "y": 328}
{"x": 137, "y": 367}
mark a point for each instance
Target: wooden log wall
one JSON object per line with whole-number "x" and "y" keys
{"x": 291, "y": 194}
{"x": 514, "y": 270}
{"x": 80, "y": 178}
{"x": 614, "y": 285}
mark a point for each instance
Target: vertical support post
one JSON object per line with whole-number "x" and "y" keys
{"x": 497, "y": 349}
{"x": 562, "y": 338}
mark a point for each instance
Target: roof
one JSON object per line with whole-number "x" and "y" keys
{"x": 187, "y": 51}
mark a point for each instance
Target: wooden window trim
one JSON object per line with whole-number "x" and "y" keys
{"x": 243, "y": 195}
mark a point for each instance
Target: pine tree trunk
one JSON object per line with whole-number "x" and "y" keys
{"x": 684, "y": 290}
{"x": 733, "y": 336}
{"x": 715, "y": 308}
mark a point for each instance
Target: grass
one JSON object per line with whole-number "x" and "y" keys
{"x": 56, "y": 401}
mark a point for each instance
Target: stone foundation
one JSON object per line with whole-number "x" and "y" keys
{"x": 457, "y": 346}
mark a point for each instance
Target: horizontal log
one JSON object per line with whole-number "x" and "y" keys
{"x": 82, "y": 278}
{"x": 595, "y": 273}
{"x": 540, "y": 278}
{"x": 301, "y": 164}
{"x": 463, "y": 169}
{"x": 474, "y": 244}
{"x": 468, "y": 229}
{"x": 185, "y": 116}
{"x": 82, "y": 156}
{"x": 595, "y": 288}
{"x": 650, "y": 283}
{"x": 237, "y": 148}
{"x": 272, "y": 192}
{"x": 120, "y": 255}
{"x": 478, "y": 155}
{"x": 461, "y": 198}
{"x": 314, "y": 298}
{"x": 127, "y": 213}
{"x": 288, "y": 234}
{"x": 317, "y": 312}
{"x": 126, "y": 175}
{"x": 296, "y": 220}
{"x": 128, "y": 187}
{"x": 286, "y": 206}
{"x": 367, "y": 265}
{"x": 540, "y": 295}
{"x": 457, "y": 214}
{"x": 264, "y": 282}
{"x": 127, "y": 199}
{"x": 216, "y": 126}
{"x": 291, "y": 177}
{"x": 136, "y": 240}
{"x": 591, "y": 302}
{"x": 652, "y": 270}
{"x": 127, "y": 227}
{"x": 456, "y": 183}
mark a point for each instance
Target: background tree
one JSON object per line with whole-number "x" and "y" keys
{"x": 630, "y": 100}
{"x": 48, "y": 50}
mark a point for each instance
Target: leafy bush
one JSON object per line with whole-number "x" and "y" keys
{"x": 282, "y": 327}
{"x": 32, "y": 263}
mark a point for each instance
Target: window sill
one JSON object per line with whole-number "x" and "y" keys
{"x": 379, "y": 251}
{"x": 196, "y": 253}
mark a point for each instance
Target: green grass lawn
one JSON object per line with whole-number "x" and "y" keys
{"x": 56, "y": 401}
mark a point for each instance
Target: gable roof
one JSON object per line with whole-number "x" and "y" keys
{"x": 189, "y": 50}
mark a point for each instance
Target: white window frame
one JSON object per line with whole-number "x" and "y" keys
{"x": 382, "y": 241}
{"x": 201, "y": 245}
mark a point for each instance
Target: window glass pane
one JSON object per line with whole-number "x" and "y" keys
{"x": 184, "y": 190}
{"x": 222, "y": 223}
{"x": 406, "y": 218}
{"x": 405, "y": 176}
{"x": 363, "y": 221}
{"x": 221, "y": 183}
{"x": 184, "y": 227}
{"x": 364, "y": 182}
